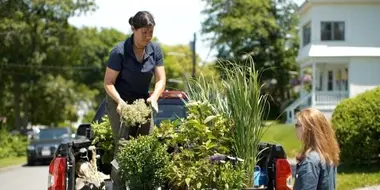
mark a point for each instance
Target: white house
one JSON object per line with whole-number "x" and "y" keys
{"x": 340, "y": 45}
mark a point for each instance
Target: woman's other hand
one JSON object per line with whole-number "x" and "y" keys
{"x": 120, "y": 105}
{"x": 153, "y": 102}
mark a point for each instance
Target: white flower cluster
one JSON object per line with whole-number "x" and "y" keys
{"x": 135, "y": 114}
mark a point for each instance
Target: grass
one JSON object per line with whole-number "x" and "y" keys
{"x": 285, "y": 135}
{"x": 5, "y": 162}
{"x": 354, "y": 177}
{"x": 348, "y": 177}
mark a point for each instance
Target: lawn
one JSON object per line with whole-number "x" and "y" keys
{"x": 348, "y": 177}
{"x": 285, "y": 135}
{"x": 5, "y": 162}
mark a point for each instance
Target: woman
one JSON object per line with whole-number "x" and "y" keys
{"x": 318, "y": 160}
{"x": 131, "y": 66}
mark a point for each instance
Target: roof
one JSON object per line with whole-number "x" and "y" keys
{"x": 338, "y": 51}
{"x": 306, "y": 5}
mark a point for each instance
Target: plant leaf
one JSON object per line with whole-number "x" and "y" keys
{"x": 187, "y": 180}
{"x": 209, "y": 118}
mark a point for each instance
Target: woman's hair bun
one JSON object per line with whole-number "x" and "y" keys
{"x": 131, "y": 21}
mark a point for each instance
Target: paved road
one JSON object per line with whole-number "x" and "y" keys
{"x": 24, "y": 178}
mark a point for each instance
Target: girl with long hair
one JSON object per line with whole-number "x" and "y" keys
{"x": 319, "y": 156}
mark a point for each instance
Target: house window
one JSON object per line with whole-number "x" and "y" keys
{"x": 332, "y": 31}
{"x": 330, "y": 81}
{"x": 306, "y": 34}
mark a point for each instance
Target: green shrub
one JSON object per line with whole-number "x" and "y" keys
{"x": 12, "y": 145}
{"x": 103, "y": 139}
{"x": 143, "y": 163}
{"x": 200, "y": 136}
{"x": 357, "y": 124}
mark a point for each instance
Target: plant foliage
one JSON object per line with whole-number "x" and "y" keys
{"x": 12, "y": 145}
{"x": 196, "y": 139}
{"x": 357, "y": 124}
{"x": 143, "y": 163}
{"x": 239, "y": 98}
{"x": 104, "y": 139}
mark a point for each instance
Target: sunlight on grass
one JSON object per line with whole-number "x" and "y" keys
{"x": 285, "y": 135}
{"x": 357, "y": 180}
{"x": 5, "y": 162}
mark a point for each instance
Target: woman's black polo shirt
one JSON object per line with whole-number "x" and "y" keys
{"x": 134, "y": 78}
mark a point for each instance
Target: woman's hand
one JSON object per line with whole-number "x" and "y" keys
{"x": 153, "y": 102}
{"x": 120, "y": 105}
{"x": 159, "y": 72}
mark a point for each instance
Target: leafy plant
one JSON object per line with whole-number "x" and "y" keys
{"x": 136, "y": 113}
{"x": 357, "y": 124}
{"x": 195, "y": 140}
{"x": 12, "y": 145}
{"x": 238, "y": 97}
{"x": 143, "y": 163}
{"x": 104, "y": 139}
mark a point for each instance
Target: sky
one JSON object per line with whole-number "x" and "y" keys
{"x": 176, "y": 20}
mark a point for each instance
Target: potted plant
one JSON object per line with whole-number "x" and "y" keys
{"x": 239, "y": 98}
{"x": 143, "y": 163}
{"x": 198, "y": 140}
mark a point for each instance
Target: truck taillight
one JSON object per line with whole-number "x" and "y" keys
{"x": 57, "y": 173}
{"x": 283, "y": 175}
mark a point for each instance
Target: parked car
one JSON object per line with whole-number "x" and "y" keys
{"x": 45, "y": 143}
{"x": 172, "y": 106}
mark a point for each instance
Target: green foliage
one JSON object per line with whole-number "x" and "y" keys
{"x": 179, "y": 66}
{"x": 103, "y": 139}
{"x": 240, "y": 99}
{"x": 58, "y": 92}
{"x": 357, "y": 124}
{"x": 265, "y": 30}
{"x": 12, "y": 145}
{"x": 94, "y": 48}
{"x": 143, "y": 163}
{"x": 88, "y": 117}
{"x": 200, "y": 136}
{"x": 37, "y": 41}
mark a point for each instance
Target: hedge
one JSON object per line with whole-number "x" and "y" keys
{"x": 12, "y": 145}
{"x": 357, "y": 124}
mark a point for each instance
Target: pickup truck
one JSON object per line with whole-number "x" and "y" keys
{"x": 62, "y": 174}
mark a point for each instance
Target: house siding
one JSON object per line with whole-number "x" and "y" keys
{"x": 362, "y": 25}
{"x": 363, "y": 74}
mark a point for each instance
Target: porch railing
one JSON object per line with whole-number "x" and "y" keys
{"x": 329, "y": 97}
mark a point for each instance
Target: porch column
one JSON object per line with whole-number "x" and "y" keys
{"x": 314, "y": 80}
{"x": 302, "y": 72}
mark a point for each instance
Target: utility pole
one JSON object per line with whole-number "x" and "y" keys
{"x": 192, "y": 46}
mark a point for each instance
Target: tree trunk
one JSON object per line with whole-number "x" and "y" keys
{"x": 25, "y": 118}
{"x": 16, "y": 104}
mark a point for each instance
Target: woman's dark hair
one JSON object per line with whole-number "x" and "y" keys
{"x": 142, "y": 19}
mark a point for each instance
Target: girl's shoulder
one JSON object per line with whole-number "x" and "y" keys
{"x": 311, "y": 157}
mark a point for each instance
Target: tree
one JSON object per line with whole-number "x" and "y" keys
{"x": 178, "y": 66}
{"x": 95, "y": 46}
{"x": 36, "y": 39}
{"x": 262, "y": 29}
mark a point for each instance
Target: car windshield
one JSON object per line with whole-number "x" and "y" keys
{"x": 57, "y": 133}
{"x": 171, "y": 111}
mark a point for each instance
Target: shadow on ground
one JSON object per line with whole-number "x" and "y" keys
{"x": 37, "y": 164}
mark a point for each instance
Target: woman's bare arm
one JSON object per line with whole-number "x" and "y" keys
{"x": 160, "y": 85}
{"x": 109, "y": 84}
